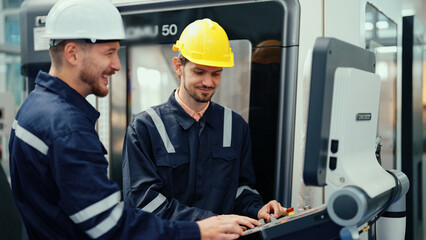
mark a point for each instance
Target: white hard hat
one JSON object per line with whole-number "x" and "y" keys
{"x": 84, "y": 19}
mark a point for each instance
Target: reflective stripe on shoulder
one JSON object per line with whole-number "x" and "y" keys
{"x": 29, "y": 138}
{"x": 155, "y": 203}
{"x": 227, "y": 127}
{"x": 245, "y": 187}
{"x": 96, "y": 208}
{"x": 107, "y": 223}
{"x": 161, "y": 130}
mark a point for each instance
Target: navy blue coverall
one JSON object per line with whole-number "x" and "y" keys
{"x": 59, "y": 174}
{"x": 179, "y": 168}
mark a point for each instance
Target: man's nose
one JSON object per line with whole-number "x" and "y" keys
{"x": 116, "y": 63}
{"x": 208, "y": 81}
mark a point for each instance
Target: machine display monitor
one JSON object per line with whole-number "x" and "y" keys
{"x": 328, "y": 55}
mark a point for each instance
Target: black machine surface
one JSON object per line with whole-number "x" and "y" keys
{"x": 310, "y": 224}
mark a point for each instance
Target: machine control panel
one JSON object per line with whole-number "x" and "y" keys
{"x": 309, "y": 224}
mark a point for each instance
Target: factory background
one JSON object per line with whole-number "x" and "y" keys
{"x": 376, "y": 25}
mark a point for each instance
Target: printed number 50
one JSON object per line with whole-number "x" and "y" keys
{"x": 169, "y": 29}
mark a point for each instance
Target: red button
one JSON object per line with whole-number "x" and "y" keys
{"x": 289, "y": 210}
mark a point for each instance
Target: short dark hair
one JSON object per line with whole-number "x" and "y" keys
{"x": 57, "y": 52}
{"x": 182, "y": 59}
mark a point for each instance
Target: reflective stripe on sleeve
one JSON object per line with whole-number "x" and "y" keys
{"x": 227, "y": 127}
{"x": 155, "y": 203}
{"x": 29, "y": 138}
{"x": 161, "y": 129}
{"x": 245, "y": 187}
{"x": 96, "y": 208}
{"x": 107, "y": 223}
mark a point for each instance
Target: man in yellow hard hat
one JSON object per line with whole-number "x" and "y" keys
{"x": 57, "y": 164}
{"x": 190, "y": 158}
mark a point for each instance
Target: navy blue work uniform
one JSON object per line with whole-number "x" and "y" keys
{"x": 59, "y": 174}
{"x": 179, "y": 168}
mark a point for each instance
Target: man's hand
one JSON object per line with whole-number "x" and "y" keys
{"x": 225, "y": 227}
{"x": 269, "y": 208}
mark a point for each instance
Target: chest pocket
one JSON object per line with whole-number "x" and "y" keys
{"x": 223, "y": 160}
{"x": 174, "y": 171}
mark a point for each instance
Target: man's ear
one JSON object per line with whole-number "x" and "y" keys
{"x": 71, "y": 52}
{"x": 177, "y": 65}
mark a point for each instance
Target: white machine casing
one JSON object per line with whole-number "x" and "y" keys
{"x": 354, "y": 126}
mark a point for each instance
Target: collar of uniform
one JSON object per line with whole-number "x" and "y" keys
{"x": 179, "y": 113}
{"x": 211, "y": 116}
{"x": 58, "y": 86}
{"x": 195, "y": 115}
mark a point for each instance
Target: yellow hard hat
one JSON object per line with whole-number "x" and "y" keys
{"x": 205, "y": 42}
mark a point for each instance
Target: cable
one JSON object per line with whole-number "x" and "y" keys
{"x": 388, "y": 203}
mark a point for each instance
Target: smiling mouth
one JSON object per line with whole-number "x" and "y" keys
{"x": 105, "y": 78}
{"x": 205, "y": 90}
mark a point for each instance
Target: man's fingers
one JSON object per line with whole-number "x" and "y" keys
{"x": 249, "y": 222}
{"x": 278, "y": 210}
{"x": 224, "y": 227}
{"x": 232, "y": 228}
{"x": 246, "y": 221}
{"x": 285, "y": 213}
{"x": 272, "y": 207}
{"x": 265, "y": 216}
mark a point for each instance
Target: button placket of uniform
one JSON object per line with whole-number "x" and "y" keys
{"x": 203, "y": 159}
{"x": 193, "y": 140}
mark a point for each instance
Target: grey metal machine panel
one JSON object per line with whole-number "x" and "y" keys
{"x": 32, "y": 16}
{"x": 32, "y": 13}
{"x": 287, "y": 108}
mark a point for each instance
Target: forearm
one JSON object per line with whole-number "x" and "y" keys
{"x": 155, "y": 202}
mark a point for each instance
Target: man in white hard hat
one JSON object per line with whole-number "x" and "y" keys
{"x": 57, "y": 164}
{"x": 190, "y": 158}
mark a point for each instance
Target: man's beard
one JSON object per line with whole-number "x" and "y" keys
{"x": 192, "y": 92}
{"x": 200, "y": 99}
{"x": 92, "y": 79}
